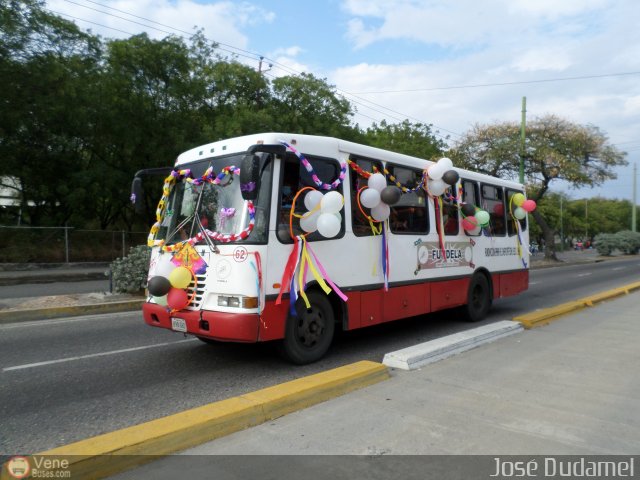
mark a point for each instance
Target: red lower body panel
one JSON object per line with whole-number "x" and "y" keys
{"x": 364, "y": 308}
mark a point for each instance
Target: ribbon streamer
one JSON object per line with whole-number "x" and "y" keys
{"x": 314, "y": 177}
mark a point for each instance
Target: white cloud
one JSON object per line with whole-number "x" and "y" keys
{"x": 222, "y": 21}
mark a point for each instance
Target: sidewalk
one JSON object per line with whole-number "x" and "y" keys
{"x": 569, "y": 388}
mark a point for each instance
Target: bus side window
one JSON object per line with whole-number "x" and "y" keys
{"x": 511, "y": 221}
{"x": 359, "y": 223}
{"x": 450, "y": 212}
{"x": 470, "y": 197}
{"x": 493, "y": 203}
{"x": 410, "y": 214}
{"x": 295, "y": 177}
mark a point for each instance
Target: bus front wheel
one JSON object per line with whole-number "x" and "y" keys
{"x": 308, "y": 335}
{"x": 478, "y": 299}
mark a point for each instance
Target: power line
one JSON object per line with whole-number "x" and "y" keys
{"x": 502, "y": 84}
{"x": 246, "y": 54}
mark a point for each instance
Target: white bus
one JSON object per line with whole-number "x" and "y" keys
{"x": 240, "y": 252}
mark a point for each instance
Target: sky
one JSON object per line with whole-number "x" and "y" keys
{"x": 449, "y": 63}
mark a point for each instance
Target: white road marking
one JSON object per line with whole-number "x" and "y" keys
{"x": 59, "y": 321}
{"x": 584, "y": 274}
{"x": 93, "y": 355}
{"x": 618, "y": 268}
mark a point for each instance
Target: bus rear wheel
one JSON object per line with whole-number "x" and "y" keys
{"x": 478, "y": 299}
{"x": 308, "y": 335}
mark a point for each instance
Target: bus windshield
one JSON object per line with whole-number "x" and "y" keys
{"x": 214, "y": 207}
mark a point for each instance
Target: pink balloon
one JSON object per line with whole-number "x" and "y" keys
{"x": 177, "y": 299}
{"x": 529, "y": 206}
{"x": 469, "y": 223}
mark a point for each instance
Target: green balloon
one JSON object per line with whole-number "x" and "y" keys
{"x": 483, "y": 217}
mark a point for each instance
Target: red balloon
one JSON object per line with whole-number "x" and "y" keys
{"x": 177, "y": 299}
{"x": 469, "y": 223}
{"x": 529, "y": 206}
{"x": 498, "y": 209}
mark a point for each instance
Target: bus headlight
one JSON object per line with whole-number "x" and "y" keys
{"x": 237, "y": 301}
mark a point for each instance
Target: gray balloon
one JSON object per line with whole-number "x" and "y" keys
{"x": 450, "y": 177}
{"x": 390, "y": 195}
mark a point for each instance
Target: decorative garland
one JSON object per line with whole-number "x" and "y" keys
{"x": 208, "y": 177}
{"x": 314, "y": 177}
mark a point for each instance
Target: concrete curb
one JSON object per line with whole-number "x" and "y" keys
{"x": 547, "y": 315}
{"x": 123, "y": 449}
{"x": 13, "y": 316}
{"x": 417, "y": 356}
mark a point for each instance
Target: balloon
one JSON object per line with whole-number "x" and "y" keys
{"x": 164, "y": 266}
{"x": 498, "y": 209}
{"x": 177, "y": 299}
{"x": 519, "y": 213}
{"x": 469, "y": 209}
{"x": 309, "y": 222}
{"x": 369, "y": 197}
{"x": 435, "y": 172}
{"x": 331, "y": 202}
{"x": 377, "y": 181}
{"x": 380, "y": 212}
{"x": 518, "y": 199}
{"x": 158, "y": 286}
{"x": 469, "y": 223}
{"x": 450, "y": 177}
{"x": 161, "y": 300}
{"x": 436, "y": 187}
{"x": 328, "y": 225}
{"x": 445, "y": 163}
{"x": 483, "y": 217}
{"x": 180, "y": 277}
{"x": 312, "y": 199}
{"x": 475, "y": 231}
{"x": 529, "y": 205}
{"x": 390, "y": 195}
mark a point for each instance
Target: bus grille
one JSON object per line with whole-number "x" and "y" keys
{"x": 199, "y": 292}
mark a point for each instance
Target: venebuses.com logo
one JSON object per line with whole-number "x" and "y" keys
{"x": 18, "y": 467}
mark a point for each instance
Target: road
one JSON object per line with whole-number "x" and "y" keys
{"x": 68, "y": 379}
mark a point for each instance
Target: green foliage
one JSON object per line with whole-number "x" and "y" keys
{"x": 606, "y": 243}
{"x": 130, "y": 273}
{"x": 626, "y": 241}
{"x": 411, "y": 139}
{"x": 629, "y": 242}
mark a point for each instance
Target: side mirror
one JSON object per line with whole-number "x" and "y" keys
{"x": 137, "y": 195}
{"x": 250, "y": 176}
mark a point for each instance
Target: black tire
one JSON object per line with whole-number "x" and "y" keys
{"x": 478, "y": 299}
{"x": 209, "y": 341}
{"x": 308, "y": 336}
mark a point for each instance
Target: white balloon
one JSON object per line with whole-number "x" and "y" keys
{"x": 328, "y": 225}
{"x": 370, "y": 197}
{"x": 331, "y": 202}
{"x": 519, "y": 213}
{"x": 377, "y": 181}
{"x": 312, "y": 199}
{"x": 380, "y": 212}
{"x": 475, "y": 231}
{"x": 164, "y": 266}
{"x": 445, "y": 163}
{"x": 436, "y": 187}
{"x": 435, "y": 171}
{"x": 309, "y": 222}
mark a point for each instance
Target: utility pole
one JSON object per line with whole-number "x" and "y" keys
{"x": 523, "y": 125}
{"x": 561, "y": 228}
{"x": 586, "y": 219}
{"x": 633, "y": 203}
{"x": 260, "y": 71}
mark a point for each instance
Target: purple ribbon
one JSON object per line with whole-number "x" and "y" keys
{"x": 226, "y": 213}
{"x": 248, "y": 187}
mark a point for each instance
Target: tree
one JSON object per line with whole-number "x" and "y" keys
{"x": 411, "y": 139}
{"x": 555, "y": 149}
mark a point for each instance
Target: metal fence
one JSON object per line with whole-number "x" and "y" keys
{"x": 19, "y": 244}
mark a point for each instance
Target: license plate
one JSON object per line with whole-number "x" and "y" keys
{"x": 178, "y": 324}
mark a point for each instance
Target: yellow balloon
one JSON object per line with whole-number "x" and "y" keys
{"x": 518, "y": 199}
{"x": 180, "y": 277}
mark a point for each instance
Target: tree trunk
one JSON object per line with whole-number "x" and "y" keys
{"x": 548, "y": 233}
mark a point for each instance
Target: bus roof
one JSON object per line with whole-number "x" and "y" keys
{"x": 324, "y": 146}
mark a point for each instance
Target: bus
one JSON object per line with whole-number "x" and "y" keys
{"x": 288, "y": 237}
